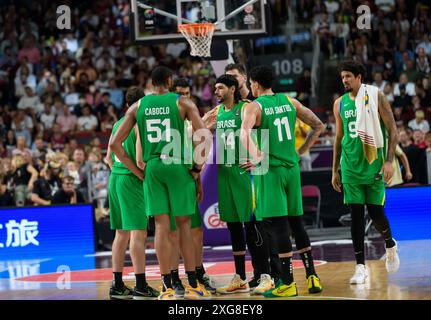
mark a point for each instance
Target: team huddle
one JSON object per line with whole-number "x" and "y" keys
{"x": 157, "y": 152}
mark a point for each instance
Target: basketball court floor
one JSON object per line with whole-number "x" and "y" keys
{"x": 89, "y": 277}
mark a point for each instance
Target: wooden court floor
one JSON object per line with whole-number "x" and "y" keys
{"x": 411, "y": 282}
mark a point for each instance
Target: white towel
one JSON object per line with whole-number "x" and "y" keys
{"x": 368, "y": 121}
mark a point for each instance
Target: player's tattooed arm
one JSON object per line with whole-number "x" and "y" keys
{"x": 121, "y": 134}
{"x": 339, "y": 133}
{"x": 308, "y": 117}
{"x": 385, "y": 112}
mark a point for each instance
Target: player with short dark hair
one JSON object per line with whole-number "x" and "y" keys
{"x": 363, "y": 178}
{"x": 279, "y": 189}
{"x": 127, "y": 214}
{"x": 182, "y": 87}
{"x": 160, "y": 119}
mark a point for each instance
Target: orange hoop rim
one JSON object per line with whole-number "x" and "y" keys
{"x": 196, "y": 28}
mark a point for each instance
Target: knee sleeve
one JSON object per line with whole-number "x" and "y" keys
{"x": 237, "y": 236}
{"x": 298, "y": 231}
{"x": 280, "y": 230}
{"x": 375, "y": 212}
{"x": 357, "y": 227}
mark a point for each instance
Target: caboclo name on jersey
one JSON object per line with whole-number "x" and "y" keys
{"x": 157, "y": 111}
{"x": 277, "y": 109}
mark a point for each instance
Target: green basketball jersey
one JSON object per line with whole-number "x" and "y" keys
{"x": 129, "y": 146}
{"x": 278, "y": 118}
{"x": 354, "y": 166}
{"x": 228, "y": 127}
{"x": 161, "y": 127}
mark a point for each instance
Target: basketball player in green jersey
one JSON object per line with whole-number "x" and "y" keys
{"x": 279, "y": 189}
{"x": 363, "y": 183}
{"x": 169, "y": 186}
{"x": 127, "y": 215}
{"x": 236, "y": 187}
{"x": 182, "y": 87}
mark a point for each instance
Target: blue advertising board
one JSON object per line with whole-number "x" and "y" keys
{"x": 38, "y": 232}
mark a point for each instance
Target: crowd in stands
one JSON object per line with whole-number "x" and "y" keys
{"x": 61, "y": 91}
{"x": 396, "y": 50}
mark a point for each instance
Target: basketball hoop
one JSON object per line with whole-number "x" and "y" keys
{"x": 199, "y": 36}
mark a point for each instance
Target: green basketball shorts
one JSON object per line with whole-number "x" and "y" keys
{"x": 126, "y": 202}
{"x": 235, "y": 194}
{"x": 364, "y": 193}
{"x": 169, "y": 189}
{"x": 279, "y": 193}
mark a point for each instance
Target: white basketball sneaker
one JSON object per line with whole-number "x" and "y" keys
{"x": 392, "y": 259}
{"x": 361, "y": 274}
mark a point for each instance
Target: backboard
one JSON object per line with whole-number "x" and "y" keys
{"x": 156, "y": 21}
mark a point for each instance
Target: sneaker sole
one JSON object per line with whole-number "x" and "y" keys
{"x": 315, "y": 290}
{"x": 121, "y": 297}
{"x": 196, "y": 298}
{"x": 236, "y": 291}
{"x": 143, "y": 297}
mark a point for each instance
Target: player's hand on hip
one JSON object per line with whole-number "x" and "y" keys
{"x": 336, "y": 181}
{"x": 387, "y": 171}
{"x": 248, "y": 166}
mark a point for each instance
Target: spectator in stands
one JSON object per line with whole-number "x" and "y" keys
{"x": 109, "y": 119}
{"x": 99, "y": 178}
{"x": 378, "y": 81}
{"x": 47, "y": 117}
{"x": 21, "y": 149}
{"x": 77, "y": 109}
{"x": 21, "y": 132}
{"x": 58, "y": 139}
{"x": 412, "y": 73}
{"x": 67, "y": 121}
{"x": 389, "y": 92}
{"x": 29, "y": 100}
{"x": 10, "y": 142}
{"x": 303, "y": 87}
{"x": 102, "y": 107}
{"x": 23, "y": 79}
{"x": 419, "y": 123}
{"x": 403, "y": 99}
{"x": 409, "y": 86}
{"x": 24, "y": 175}
{"x": 425, "y": 44}
{"x": 47, "y": 185}
{"x": 422, "y": 62}
{"x": 83, "y": 170}
{"x": 29, "y": 51}
{"x": 419, "y": 139}
{"x": 6, "y": 183}
{"x": 86, "y": 67}
{"x": 87, "y": 122}
{"x": 116, "y": 95}
{"x": 39, "y": 149}
{"x": 322, "y": 29}
{"x": 67, "y": 194}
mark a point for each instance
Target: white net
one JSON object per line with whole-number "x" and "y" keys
{"x": 199, "y": 36}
